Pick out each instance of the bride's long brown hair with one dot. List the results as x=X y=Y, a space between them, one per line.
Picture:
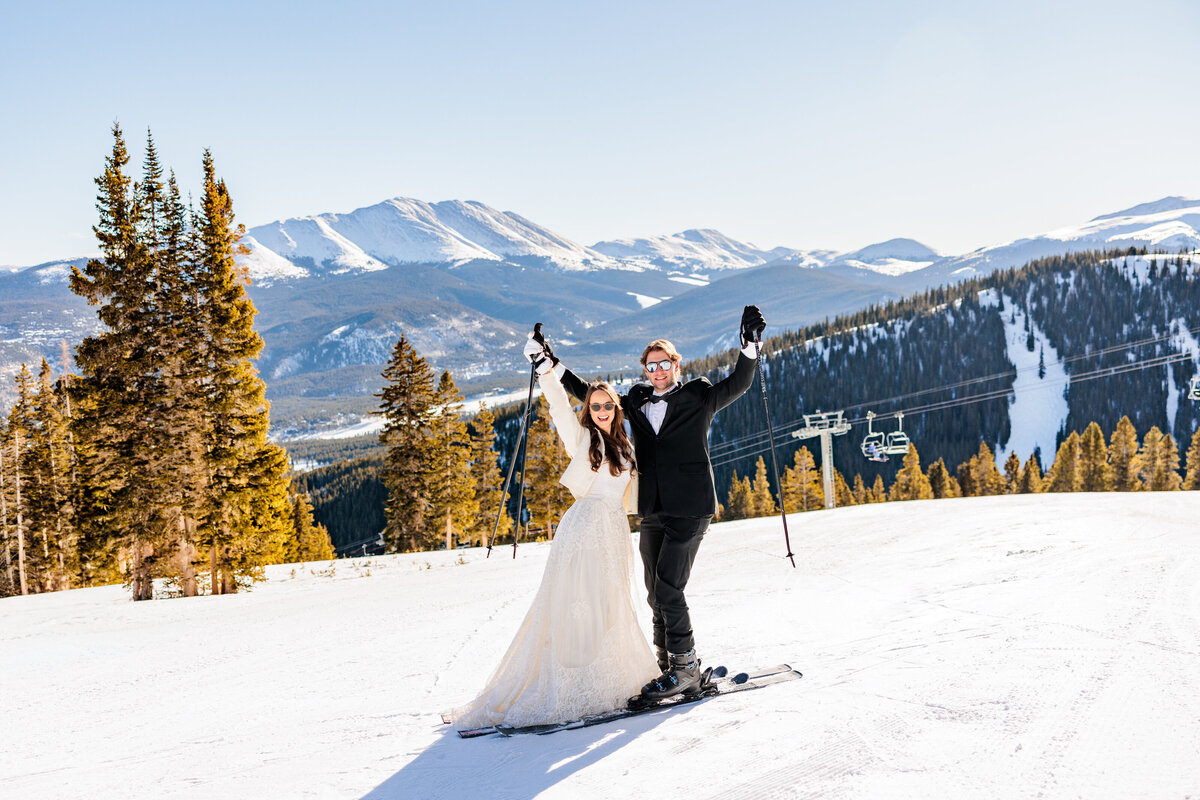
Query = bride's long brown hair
x=616 y=444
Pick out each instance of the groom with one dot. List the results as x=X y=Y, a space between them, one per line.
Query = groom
x=676 y=496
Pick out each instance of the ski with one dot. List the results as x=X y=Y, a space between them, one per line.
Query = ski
x=720 y=683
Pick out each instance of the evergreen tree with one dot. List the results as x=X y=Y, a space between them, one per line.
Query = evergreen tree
x=1065 y=474
x=911 y=483
x=546 y=461
x=739 y=504
x=965 y=477
x=1191 y=481
x=763 y=499
x=309 y=541
x=941 y=482
x=451 y=484
x=842 y=494
x=802 y=487
x=119 y=501
x=49 y=500
x=8 y=586
x=1158 y=462
x=877 y=494
x=1031 y=477
x=489 y=482
x=985 y=475
x=20 y=425
x=1093 y=460
x=406 y=405
x=249 y=512
x=860 y=490
x=1012 y=473
x=1122 y=457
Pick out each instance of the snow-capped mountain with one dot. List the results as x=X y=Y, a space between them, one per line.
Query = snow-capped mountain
x=702 y=250
x=893 y=257
x=407 y=231
x=1168 y=225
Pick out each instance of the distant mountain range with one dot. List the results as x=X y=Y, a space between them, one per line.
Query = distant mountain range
x=465 y=282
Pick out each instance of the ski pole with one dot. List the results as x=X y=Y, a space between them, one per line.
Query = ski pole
x=521 y=484
x=521 y=435
x=762 y=379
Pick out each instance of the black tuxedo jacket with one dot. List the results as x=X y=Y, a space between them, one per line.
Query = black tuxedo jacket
x=674 y=469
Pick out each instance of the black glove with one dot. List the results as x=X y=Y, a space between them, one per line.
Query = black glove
x=753 y=325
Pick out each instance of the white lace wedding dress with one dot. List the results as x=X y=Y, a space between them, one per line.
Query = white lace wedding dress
x=580 y=649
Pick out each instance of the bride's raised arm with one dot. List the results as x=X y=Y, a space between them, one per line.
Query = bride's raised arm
x=570 y=431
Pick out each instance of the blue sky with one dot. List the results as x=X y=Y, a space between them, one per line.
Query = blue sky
x=810 y=125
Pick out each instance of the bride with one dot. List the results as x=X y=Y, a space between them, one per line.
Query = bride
x=580 y=650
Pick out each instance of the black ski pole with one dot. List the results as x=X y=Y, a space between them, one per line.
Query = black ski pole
x=762 y=379
x=521 y=435
x=521 y=486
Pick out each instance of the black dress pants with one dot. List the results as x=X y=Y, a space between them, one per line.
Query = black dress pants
x=668 y=545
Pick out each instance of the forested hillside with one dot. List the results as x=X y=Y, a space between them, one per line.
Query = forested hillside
x=1105 y=335
x=1123 y=327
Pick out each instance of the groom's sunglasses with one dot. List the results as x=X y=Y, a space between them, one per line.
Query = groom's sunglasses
x=602 y=406
x=655 y=366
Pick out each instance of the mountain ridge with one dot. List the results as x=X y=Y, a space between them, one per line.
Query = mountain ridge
x=330 y=311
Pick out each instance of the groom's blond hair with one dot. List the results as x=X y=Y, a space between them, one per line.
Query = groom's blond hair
x=665 y=346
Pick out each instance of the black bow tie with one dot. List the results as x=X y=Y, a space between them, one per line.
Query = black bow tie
x=658 y=398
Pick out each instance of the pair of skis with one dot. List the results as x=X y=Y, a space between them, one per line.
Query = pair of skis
x=719 y=682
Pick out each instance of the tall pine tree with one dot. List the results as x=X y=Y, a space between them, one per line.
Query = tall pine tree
x=406 y=404
x=485 y=468
x=911 y=483
x=1096 y=474
x=545 y=462
x=1122 y=457
x=1191 y=480
x=451 y=485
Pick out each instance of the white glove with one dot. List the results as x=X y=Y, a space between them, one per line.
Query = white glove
x=534 y=351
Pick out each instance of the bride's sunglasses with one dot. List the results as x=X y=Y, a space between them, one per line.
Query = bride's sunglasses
x=655 y=366
x=602 y=406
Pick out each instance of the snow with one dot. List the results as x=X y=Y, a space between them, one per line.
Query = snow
x=688 y=280
x=265 y=266
x=372 y=425
x=315 y=238
x=893 y=257
x=645 y=300
x=695 y=249
x=1025 y=646
x=406 y=230
x=1182 y=341
x=1037 y=410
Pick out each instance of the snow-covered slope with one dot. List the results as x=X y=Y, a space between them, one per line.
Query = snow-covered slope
x=999 y=647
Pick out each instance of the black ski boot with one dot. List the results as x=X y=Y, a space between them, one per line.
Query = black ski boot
x=664 y=661
x=681 y=676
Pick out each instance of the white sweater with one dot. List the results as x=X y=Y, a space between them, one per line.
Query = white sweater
x=579 y=476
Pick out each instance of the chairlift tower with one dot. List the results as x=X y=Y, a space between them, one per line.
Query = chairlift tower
x=826 y=425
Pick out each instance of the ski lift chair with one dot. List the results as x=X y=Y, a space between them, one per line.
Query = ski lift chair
x=874 y=444
x=897 y=440
x=1194 y=392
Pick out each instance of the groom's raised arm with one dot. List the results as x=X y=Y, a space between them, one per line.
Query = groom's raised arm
x=575 y=386
x=736 y=383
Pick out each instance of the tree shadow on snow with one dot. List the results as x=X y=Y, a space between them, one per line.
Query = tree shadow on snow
x=516 y=768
